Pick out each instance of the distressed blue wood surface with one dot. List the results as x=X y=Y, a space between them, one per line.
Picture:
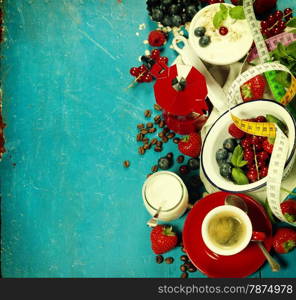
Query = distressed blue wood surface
x=69 y=208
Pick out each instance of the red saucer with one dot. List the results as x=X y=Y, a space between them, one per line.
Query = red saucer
x=217 y=266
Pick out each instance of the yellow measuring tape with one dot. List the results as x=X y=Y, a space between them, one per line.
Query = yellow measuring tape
x=266 y=129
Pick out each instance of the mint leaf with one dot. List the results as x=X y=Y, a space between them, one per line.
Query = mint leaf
x=239 y=176
x=283 y=78
x=279 y=123
x=220 y=16
x=237 y=156
x=242 y=163
x=237 y=13
x=291 y=23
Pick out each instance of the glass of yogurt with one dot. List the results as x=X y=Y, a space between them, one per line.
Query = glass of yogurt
x=167 y=191
x=223 y=49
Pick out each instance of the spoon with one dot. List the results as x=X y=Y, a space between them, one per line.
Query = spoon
x=153 y=221
x=240 y=203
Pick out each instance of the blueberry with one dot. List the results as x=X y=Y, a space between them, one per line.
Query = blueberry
x=167 y=2
x=225 y=170
x=174 y=9
x=199 y=31
x=164 y=163
x=228 y=159
x=204 y=41
x=229 y=144
x=191 y=10
x=157 y=15
x=166 y=21
x=176 y=20
x=193 y=163
x=221 y=154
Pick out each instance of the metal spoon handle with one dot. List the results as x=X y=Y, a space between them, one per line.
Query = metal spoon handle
x=275 y=267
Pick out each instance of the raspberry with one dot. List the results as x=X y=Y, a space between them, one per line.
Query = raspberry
x=235 y=131
x=157 y=38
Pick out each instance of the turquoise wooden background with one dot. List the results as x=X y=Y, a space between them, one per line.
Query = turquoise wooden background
x=69 y=208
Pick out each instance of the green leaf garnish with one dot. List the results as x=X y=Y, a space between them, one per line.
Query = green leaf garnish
x=237 y=157
x=279 y=123
x=237 y=13
x=291 y=23
x=220 y=16
x=239 y=176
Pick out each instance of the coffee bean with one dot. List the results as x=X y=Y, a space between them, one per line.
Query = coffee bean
x=161 y=134
x=147 y=113
x=141 y=150
x=157 y=107
x=152 y=130
x=170 y=155
x=159 y=259
x=139 y=137
x=154 y=141
x=146 y=146
x=145 y=140
x=183 y=250
x=183 y=268
x=176 y=140
x=171 y=135
x=141 y=126
x=144 y=131
x=165 y=139
x=161 y=124
x=149 y=125
x=192 y=269
x=154 y=168
x=169 y=260
x=159 y=143
x=180 y=159
x=157 y=118
x=166 y=130
x=157 y=149
x=126 y=163
x=184 y=258
x=184 y=275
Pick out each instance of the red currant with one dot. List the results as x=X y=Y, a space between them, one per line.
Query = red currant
x=261 y=163
x=263 y=172
x=264 y=24
x=142 y=69
x=223 y=30
x=148 y=77
x=252 y=175
x=252 y=167
x=281 y=25
x=266 y=32
x=255 y=140
x=249 y=156
x=260 y=119
x=155 y=53
x=288 y=11
x=275 y=30
x=278 y=14
x=263 y=156
x=163 y=59
x=246 y=142
x=270 y=20
x=134 y=71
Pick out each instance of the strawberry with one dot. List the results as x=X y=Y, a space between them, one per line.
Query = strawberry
x=289 y=210
x=190 y=145
x=284 y=240
x=235 y=131
x=253 y=89
x=163 y=239
x=157 y=38
x=262 y=6
x=267 y=146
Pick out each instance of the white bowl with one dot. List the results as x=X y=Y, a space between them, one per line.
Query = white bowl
x=219 y=132
x=223 y=50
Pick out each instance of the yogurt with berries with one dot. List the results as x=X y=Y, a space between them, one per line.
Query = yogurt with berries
x=219 y=46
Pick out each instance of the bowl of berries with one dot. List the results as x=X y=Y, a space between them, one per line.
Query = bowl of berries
x=235 y=161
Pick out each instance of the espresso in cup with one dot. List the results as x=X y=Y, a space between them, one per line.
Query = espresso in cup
x=226 y=230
